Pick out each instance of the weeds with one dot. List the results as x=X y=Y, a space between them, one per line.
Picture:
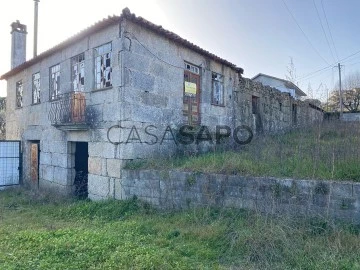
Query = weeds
x=38 y=231
x=52 y=234
x=328 y=151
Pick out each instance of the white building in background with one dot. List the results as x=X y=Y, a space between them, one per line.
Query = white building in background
x=280 y=84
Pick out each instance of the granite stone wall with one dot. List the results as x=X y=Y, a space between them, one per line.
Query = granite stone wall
x=276 y=111
x=177 y=190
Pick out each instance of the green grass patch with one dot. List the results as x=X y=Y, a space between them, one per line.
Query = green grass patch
x=329 y=151
x=37 y=232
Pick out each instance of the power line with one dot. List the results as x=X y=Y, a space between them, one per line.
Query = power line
x=311 y=75
x=342 y=60
x=353 y=59
x=327 y=23
x=324 y=68
x=308 y=76
x=352 y=64
x=317 y=52
x=313 y=72
x=314 y=75
x=322 y=27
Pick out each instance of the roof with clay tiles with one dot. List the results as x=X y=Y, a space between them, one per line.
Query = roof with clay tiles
x=111 y=20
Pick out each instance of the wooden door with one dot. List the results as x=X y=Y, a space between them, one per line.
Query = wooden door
x=34 y=163
x=191 y=98
x=78 y=107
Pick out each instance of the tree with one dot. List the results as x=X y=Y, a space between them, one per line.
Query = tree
x=310 y=91
x=291 y=72
x=350 y=94
x=351 y=99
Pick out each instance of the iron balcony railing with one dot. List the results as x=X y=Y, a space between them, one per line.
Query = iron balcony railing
x=68 y=109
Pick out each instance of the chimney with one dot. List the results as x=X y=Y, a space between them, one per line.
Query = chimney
x=36 y=9
x=18 y=44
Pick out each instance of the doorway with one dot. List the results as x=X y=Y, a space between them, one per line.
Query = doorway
x=191 y=97
x=81 y=170
x=10 y=163
x=294 y=114
x=34 y=163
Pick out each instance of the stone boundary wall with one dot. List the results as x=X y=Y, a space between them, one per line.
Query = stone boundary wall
x=351 y=117
x=276 y=111
x=177 y=190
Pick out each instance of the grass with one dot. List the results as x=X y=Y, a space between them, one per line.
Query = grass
x=40 y=232
x=329 y=151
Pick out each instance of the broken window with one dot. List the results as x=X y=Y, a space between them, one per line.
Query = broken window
x=55 y=82
x=19 y=94
x=192 y=68
x=103 y=66
x=78 y=72
x=36 y=88
x=217 y=89
x=255 y=104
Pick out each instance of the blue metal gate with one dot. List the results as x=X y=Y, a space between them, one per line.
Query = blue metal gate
x=10 y=163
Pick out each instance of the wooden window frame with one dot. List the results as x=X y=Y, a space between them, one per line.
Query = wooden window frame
x=36 y=87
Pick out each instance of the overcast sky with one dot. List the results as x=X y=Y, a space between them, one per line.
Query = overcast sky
x=257 y=35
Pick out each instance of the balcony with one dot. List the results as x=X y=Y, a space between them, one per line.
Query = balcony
x=68 y=112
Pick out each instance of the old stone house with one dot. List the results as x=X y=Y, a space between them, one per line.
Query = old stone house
x=114 y=92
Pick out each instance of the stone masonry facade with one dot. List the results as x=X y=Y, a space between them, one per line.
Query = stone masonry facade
x=147 y=66
x=277 y=111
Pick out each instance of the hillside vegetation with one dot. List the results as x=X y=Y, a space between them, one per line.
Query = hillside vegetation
x=328 y=151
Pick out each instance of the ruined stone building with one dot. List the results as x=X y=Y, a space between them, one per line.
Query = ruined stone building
x=125 y=79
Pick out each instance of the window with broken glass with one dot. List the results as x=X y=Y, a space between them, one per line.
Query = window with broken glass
x=217 y=89
x=36 y=88
x=192 y=68
x=55 y=82
x=19 y=94
x=78 y=73
x=103 y=66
